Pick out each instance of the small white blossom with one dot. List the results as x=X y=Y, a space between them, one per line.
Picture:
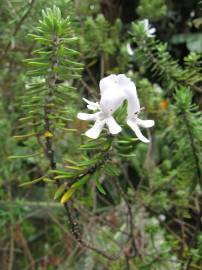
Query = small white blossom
x=129 y=49
x=114 y=90
x=147 y=28
x=162 y=217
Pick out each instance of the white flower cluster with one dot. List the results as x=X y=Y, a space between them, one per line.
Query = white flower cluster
x=114 y=90
x=149 y=31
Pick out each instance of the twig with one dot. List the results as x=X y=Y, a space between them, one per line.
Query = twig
x=130 y=214
x=91 y=76
x=23 y=243
x=77 y=234
x=194 y=151
x=127 y=263
x=31 y=204
x=100 y=219
x=193 y=240
x=11 y=251
x=87 y=87
x=102 y=66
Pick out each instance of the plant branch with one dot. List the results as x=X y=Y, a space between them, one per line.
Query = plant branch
x=194 y=151
x=130 y=215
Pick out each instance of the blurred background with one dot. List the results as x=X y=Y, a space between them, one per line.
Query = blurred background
x=151 y=213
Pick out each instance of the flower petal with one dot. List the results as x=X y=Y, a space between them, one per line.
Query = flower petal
x=107 y=83
x=152 y=30
x=145 y=123
x=129 y=49
x=114 y=128
x=92 y=105
x=95 y=131
x=145 y=22
x=135 y=128
x=132 y=98
x=123 y=80
x=111 y=101
x=87 y=116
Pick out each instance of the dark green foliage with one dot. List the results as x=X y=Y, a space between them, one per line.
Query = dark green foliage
x=53 y=65
x=100 y=36
x=128 y=205
x=158 y=61
x=188 y=139
x=154 y=9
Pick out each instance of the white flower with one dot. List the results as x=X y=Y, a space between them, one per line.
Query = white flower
x=133 y=109
x=147 y=28
x=114 y=90
x=134 y=123
x=109 y=103
x=101 y=119
x=129 y=49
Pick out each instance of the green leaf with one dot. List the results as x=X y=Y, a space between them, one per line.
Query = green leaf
x=24 y=136
x=74 y=168
x=127 y=156
x=25 y=156
x=111 y=169
x=91 y=145
x=99 y=186
x=60 y=191
x=67 y=196
x=81 y=182
x=32 y=182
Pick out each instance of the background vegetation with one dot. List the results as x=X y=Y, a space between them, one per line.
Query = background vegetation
x=127 y=205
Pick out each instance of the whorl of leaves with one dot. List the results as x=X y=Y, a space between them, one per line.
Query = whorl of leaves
x=53 y=68
x=154 y=9
x=188 y=138
x=99 y=35
x=155 y=57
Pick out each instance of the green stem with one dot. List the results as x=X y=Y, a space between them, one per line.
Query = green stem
x=51 y=82
x=194 y=150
